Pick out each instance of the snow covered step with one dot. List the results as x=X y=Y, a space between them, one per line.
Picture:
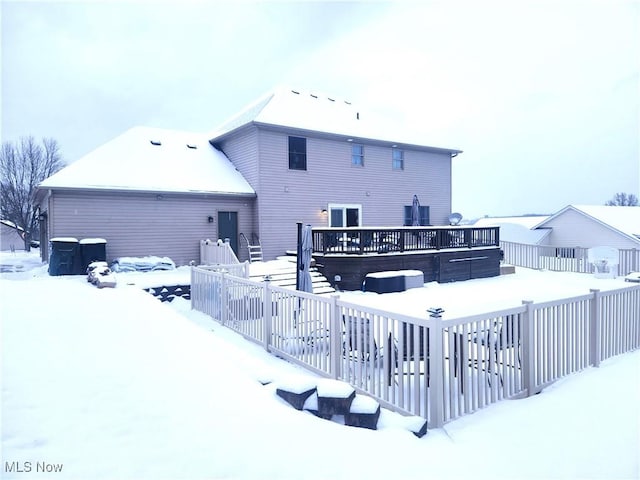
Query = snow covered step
x=334 y=397
x=295 y=390
x=364 y=412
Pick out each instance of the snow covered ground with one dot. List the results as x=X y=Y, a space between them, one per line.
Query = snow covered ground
x=113 y=384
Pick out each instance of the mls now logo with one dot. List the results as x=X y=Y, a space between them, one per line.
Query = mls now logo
x=27 y=467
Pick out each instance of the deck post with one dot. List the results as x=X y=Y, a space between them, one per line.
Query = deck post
x=298 y=255
x=594 y=329
x=436 y=380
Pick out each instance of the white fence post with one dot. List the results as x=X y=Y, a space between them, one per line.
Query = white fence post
x=246 y=269
x=335 y=336
x=266 y=313
x=436 y=380
x=595 y=328
x=224 y=307
x=194 y=304
x=528 y=351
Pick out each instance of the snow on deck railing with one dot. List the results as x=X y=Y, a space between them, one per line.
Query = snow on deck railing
x=440 y=369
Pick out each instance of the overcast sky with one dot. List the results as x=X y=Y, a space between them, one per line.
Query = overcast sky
x=542 y=97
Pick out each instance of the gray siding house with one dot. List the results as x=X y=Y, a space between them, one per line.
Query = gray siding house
x=592 y=226
x=290 y=157
x=10 y=236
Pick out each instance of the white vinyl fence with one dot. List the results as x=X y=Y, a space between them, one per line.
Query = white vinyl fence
x=212 y=252
x=437 y=368
x=563 y=259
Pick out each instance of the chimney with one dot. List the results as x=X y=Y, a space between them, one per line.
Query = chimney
x=357 y=115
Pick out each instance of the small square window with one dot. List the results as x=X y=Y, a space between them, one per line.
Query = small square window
x=297 y=153
x=357 y=155
x=397 y=159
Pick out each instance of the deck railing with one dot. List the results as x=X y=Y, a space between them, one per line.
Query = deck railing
x=366 y=240
x=563 y=259
x=437 y=368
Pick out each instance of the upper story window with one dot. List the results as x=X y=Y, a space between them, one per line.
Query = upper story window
x=397 y=159
x=297 y=153
x=357 y=155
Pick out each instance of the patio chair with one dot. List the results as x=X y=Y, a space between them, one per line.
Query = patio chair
x=359 y=344
x=408 y=352
x=498 y=340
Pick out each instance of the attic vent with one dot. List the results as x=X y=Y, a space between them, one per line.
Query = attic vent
x=156 y=142
x=314 y=96
x=357 y=115
x=348 y=103
x=192 y=146
x=293 y=91
x=331 y=99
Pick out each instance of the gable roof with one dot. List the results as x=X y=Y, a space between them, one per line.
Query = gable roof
x=623 y=220
x=316 y=112
x=155 y=160
x=10 y=224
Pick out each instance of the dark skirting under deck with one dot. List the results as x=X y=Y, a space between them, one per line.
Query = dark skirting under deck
x=437 y=265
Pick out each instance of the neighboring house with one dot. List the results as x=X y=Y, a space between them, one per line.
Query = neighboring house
x=593 y=226
x=290 y=157
x=11 y=237
x=563 y=241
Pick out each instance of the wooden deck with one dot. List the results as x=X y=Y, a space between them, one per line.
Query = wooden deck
x=443 y=254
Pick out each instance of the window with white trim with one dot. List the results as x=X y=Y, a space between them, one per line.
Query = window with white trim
x=357 y=155
x=397 y=159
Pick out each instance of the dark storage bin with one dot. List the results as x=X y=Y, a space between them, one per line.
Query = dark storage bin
x=64 y=258
x=92 y=250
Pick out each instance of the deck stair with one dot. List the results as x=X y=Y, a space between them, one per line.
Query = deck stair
x=282 y=273
x=254 y=248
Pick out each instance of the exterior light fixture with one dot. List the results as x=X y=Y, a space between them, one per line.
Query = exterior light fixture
x=210 y=219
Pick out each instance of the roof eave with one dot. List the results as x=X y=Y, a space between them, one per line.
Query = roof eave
x=340 y=136
x=149 y=191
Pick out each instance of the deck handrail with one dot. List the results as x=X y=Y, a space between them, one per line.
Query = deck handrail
x=368 y=240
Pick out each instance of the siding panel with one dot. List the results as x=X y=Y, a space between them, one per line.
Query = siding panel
x=139 y=224
x=289 y=196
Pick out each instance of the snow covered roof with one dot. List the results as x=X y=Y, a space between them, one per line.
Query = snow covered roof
x=152 y=159
x=316 y=112
x=528 y=221
x=625 y=220
x=517 y=229
x=10 y=224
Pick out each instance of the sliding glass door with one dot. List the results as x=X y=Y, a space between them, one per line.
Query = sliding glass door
x=345 y=215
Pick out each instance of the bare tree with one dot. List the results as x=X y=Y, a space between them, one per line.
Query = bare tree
x=22 y=167
x=623 y=200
